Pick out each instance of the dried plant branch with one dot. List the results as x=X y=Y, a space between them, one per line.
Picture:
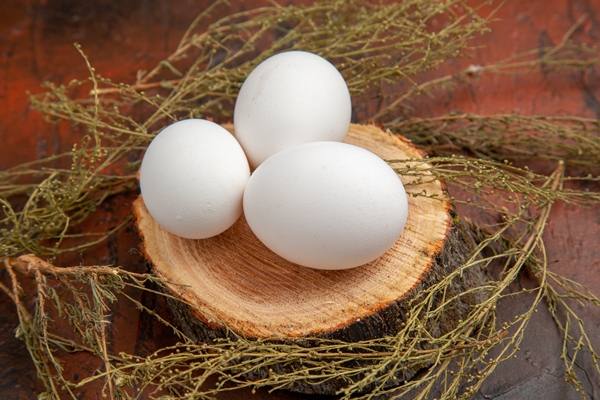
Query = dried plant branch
x=565 y=55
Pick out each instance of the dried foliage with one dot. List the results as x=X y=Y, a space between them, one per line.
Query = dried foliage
x=377 y=48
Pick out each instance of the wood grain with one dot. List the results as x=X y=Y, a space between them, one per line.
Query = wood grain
x=236 y=279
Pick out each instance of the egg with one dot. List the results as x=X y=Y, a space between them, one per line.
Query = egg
x=289 y=99
x=326 y=205
x=192 y=178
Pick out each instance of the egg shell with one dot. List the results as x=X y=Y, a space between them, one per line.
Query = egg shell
x=192 y=178
x=291 y=98
x=326 y=205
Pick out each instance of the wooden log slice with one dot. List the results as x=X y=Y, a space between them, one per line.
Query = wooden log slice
x=235 y=281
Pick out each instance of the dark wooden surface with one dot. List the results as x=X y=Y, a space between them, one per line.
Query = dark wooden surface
x=121 y=37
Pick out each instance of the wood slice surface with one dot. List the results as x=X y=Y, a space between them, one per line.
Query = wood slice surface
x=235 y=281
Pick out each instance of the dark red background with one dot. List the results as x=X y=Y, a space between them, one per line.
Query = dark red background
x=121 y=37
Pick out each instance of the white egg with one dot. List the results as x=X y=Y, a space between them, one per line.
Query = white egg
x=291 y=98
x=192 y=178
x=326 y=205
